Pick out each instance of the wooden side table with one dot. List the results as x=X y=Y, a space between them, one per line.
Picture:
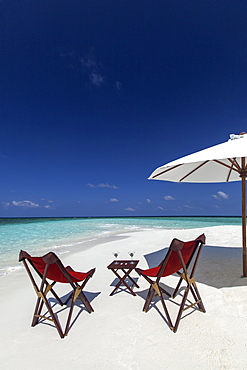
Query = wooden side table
x=126 y=266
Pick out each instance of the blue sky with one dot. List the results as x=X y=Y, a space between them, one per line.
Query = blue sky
x=96 y=94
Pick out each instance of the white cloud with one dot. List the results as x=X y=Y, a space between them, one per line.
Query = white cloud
x=88 y=65
x=168 y=197
x=220 y=195
x=161 y=208
x=118 y=85
x=6 y=204
x=93 y=69
x=88 y=61
x=47 y=200
x=149 y=201
x=129 y=209
x=70 y=54
x=25 y=203
x=114 y=200
x=103 y=186
x=215 y=206
x=97 y=79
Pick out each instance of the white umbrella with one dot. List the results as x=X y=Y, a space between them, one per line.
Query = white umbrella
x=220 y=163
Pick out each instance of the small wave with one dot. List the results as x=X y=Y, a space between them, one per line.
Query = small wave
x=10 y=269
x=130 y=227
x=70 y=244
x=108 y=225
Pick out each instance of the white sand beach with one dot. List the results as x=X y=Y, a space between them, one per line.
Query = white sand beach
x=119 y=335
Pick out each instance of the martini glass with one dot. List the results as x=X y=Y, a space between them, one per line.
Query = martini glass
x=131 y=255
x=115 y=254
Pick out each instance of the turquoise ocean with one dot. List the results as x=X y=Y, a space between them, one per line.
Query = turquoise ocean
x=61 y=235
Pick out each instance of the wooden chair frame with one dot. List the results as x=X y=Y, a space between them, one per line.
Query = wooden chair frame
x=175 y=257
x=76 y=280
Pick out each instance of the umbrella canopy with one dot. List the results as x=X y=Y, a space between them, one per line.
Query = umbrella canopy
x=220 y=163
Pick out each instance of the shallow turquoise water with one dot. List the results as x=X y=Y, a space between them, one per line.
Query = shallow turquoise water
x=41 y=235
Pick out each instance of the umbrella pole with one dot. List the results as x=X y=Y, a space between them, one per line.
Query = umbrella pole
x=243 y=176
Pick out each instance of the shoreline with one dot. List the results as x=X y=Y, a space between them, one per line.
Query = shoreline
x=74 y=244
x=61 y=251
x=40 y=235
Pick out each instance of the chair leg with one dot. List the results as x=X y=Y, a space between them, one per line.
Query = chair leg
x=69 y=317
x=166 y=312
x=37 y=311
x=69 y=297
x=86 y=303
x=37 y=314
x=84 y=300
x=57 y=298
x=197 y=297
x=198 y=302
x=181 y=309
x=55 y=320
x=177 y=287
x=148 y=299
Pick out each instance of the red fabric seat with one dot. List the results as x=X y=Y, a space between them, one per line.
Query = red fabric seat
x=174 y=263
x=54 y=273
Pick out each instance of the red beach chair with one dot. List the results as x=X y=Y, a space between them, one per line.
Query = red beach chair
x=181 y=258
x=50 y=267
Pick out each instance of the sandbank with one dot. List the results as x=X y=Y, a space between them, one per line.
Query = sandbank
x=118 y=335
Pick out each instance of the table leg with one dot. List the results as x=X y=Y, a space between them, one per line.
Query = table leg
x=122 y=280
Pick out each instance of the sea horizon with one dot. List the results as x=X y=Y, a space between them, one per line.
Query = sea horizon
x=124 y=216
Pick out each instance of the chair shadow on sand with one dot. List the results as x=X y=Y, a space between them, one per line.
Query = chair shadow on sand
x=122 y=287
x=218 y=266
x=156 y=299
x=78 y=303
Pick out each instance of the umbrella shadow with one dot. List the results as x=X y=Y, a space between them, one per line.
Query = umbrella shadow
x=218 y=266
